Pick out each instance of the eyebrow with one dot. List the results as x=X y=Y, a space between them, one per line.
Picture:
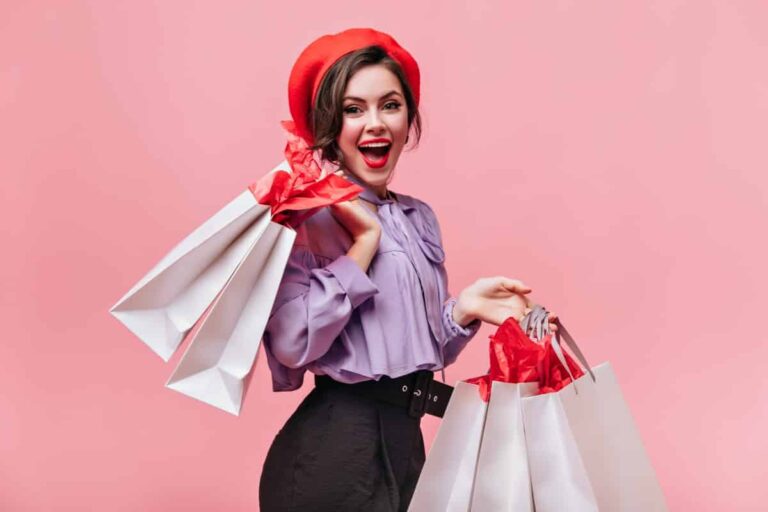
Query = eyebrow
x=390 y=93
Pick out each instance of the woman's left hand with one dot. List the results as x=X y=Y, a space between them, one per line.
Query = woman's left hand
x=493 y=300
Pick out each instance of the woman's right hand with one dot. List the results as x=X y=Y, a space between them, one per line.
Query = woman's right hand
x=356 y=220
x=362 y=227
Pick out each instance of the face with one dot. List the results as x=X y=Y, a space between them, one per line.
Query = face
x=374 y=125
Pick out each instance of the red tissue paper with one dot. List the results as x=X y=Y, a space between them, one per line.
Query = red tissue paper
x=295 y=196
x=515 y=358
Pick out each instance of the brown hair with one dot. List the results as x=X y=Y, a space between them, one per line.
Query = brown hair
x=327 y=113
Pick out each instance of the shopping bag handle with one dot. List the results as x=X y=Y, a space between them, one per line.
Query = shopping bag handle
x=537 y=322
x=571 y=343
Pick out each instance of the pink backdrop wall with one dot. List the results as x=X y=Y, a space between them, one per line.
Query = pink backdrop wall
x=610 y=154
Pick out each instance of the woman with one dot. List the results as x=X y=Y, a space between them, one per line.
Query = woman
x=364 y=303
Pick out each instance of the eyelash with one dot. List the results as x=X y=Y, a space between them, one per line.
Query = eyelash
x=347 y=110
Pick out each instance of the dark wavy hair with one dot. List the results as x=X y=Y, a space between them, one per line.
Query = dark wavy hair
x=327 y=114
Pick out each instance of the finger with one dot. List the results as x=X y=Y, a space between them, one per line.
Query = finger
x=515 y=285
x=345 y=204
x=552 y=319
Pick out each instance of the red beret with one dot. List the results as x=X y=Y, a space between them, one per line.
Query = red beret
x=321 y=54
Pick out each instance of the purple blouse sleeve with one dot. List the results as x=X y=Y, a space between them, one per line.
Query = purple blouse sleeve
x=313 y=305
x=458 y=336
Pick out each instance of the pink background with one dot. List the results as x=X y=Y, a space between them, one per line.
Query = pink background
x=610 y=154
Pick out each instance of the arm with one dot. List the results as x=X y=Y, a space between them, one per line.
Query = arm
x=314 y=303
x=313 y=306
x=458 y=334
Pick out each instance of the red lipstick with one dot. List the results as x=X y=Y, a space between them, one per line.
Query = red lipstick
x=372 y=159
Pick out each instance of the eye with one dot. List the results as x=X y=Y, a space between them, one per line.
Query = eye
x=395 y=103
x=352 y=109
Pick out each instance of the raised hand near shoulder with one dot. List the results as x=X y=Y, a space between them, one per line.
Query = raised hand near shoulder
x=356 y=219
x=362 y=226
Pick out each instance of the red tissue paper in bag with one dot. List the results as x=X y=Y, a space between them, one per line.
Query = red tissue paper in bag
x=294 y=197
x=515 y=358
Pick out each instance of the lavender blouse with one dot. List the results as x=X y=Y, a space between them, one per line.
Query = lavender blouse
x=333 y=319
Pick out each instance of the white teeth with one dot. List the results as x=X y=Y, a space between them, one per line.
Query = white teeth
x=375 y=145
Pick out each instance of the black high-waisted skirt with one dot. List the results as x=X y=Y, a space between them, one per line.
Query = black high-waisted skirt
x=340 y=452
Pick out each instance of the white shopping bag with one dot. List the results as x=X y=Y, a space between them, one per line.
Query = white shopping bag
x=558 y=477
x=164 y=305
x=221 y=355
x=225 y=276
x=502 y=479
x=585 y=452
x=446 y=480
x=223 y=279
x=574 y=450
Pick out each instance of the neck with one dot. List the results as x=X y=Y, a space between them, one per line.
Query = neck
x=381 y=191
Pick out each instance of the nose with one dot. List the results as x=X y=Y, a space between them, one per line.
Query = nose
x=375 y=123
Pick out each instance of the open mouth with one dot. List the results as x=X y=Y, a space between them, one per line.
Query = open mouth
x=377 y=154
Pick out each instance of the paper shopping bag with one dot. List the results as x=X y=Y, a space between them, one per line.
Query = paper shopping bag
x=502 y=479
x=577 y=445
x=478 y=459
x=558 y=477
x=223 y=278
x=220 y=357
x=446 y=480
x=519 y=367
x=584 y=450
x=164 y=305
x=587 y=425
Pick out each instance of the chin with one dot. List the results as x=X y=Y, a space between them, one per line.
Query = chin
x=374 y=177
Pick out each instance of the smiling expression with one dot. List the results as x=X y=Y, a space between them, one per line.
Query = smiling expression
x=374 y=125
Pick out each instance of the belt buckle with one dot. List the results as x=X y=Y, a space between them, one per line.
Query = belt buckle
x=417 y=406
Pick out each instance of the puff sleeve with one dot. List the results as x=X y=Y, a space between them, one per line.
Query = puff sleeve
x=315 y=301
x=458 y=336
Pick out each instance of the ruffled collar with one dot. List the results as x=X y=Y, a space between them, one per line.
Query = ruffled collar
x=429 y=236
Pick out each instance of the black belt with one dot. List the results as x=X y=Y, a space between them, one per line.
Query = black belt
x=418 y=391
